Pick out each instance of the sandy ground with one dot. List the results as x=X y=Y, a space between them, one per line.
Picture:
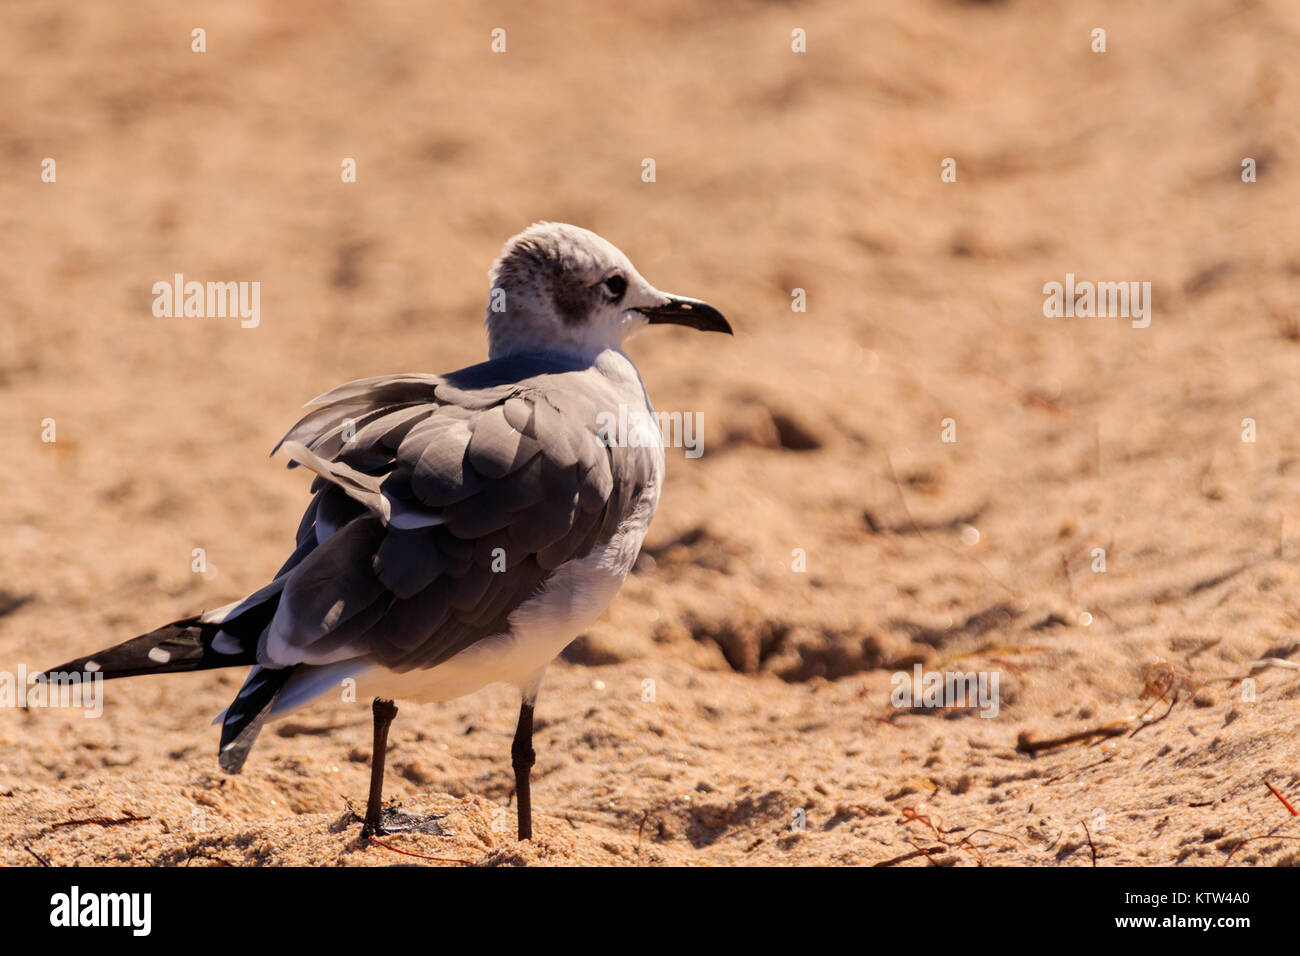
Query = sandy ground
x=771 y=737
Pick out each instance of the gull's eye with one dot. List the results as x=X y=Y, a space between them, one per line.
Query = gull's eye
x=615 y=285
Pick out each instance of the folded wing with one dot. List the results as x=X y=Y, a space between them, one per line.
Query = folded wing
x=441 y=504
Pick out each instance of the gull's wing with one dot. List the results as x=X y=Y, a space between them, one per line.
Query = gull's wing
x=441 y=504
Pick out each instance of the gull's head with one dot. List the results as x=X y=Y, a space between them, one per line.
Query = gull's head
x=558 y=288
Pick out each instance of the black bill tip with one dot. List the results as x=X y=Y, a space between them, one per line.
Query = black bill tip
x=692 y=313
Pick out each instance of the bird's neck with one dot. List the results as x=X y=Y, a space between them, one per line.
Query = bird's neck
x=523 y=338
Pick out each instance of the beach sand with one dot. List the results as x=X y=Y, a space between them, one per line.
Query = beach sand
x=736 y=704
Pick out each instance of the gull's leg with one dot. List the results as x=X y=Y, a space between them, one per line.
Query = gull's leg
x=522 y=757
x=384 y=711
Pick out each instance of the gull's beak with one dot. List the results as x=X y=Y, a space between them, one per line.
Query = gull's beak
x=679 y=310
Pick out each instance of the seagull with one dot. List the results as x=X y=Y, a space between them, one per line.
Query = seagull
x=463 y=528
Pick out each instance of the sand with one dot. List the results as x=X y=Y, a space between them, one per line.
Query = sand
x=734 y=705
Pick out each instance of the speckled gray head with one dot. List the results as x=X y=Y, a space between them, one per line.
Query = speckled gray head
x=559 y=288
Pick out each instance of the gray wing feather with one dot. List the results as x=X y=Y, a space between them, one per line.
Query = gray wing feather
x=495 y=448
x=549 y=429
x=355 y=484
x=377 y=442
x=325 y=590
x=316 y=424
x=434 y=456
x=334 y=509
x=383 y=390
x=406 y=562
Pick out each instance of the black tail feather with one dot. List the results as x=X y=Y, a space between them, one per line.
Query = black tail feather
x=247 y=713
x=184 y=645
x=195 y=644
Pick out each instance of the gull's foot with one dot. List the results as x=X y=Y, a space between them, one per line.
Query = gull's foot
x=395 y=820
